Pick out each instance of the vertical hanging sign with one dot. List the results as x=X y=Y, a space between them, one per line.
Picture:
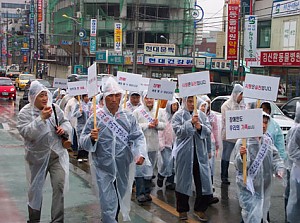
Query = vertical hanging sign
x=118 y=37
x=232 y=32
x=250 y=37
x=40 y=11
x=93 y=36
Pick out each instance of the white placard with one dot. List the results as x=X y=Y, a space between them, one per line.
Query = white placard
x=60 y=83
x=144 y=84
x=159 y=89
x=194 y=83
x=92 y=84
x=77 y=88
x=129 y=81
x=261 y=87
x=244 y=123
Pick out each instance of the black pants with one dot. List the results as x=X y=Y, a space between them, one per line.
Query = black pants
x=202 y=201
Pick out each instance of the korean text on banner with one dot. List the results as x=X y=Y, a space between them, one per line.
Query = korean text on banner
x=60 y=83
x=232 y=32
x=194 y=83
x=144 y=84
x=118 y=33
x=159 y=89
x=77 y=88
x=129 y=81
x=261 y=87
x=250 y=37
x=92 y=84
x=244 y=123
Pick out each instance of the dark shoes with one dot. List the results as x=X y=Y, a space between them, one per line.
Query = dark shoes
x=171 y=186
x=148 y=197
x=141 y=199
x=183 y=216
x=213 y=200
x=160 y=182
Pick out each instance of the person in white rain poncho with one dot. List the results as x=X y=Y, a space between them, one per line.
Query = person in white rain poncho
x=293 y=150
x=262 y=161
x=191 y=160
x=134 y=101
x=44 y=151
x=145 y=116
x=166 y=139
x=116 y=146
x=235 y=102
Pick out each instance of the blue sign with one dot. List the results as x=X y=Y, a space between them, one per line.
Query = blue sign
x=93 y=45
x=118 y=60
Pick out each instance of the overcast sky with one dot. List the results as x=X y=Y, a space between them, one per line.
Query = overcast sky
x=213 y=11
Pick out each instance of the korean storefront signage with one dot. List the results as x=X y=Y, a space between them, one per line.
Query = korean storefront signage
x=280 y=58
x=40 y=11
x=250 y=37
x=286 y=8
x=168 y=61
x=118 y=60
x=101 y=56
x=159 y=49
x=93 y=27
x=128 y=59
x=118 y=37
x=232 y=32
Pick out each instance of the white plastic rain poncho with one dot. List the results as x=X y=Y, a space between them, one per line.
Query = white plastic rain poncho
x=231 y=104
x=187 y=140
x=129 y=106
x=277 y=136
x=144 y=116
x=166 y=140
x=293 y=150
x=40 y=139
x=120 y=142
x=255 y=198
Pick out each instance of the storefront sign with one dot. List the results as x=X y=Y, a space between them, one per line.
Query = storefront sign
x=194 y=83
x=161 y=89
x=168 y=61
x=261 y=87
x=128 y=59
x=232 y=32
x=93 y=45
x=244 y=123
x=93 y=27
x=250 y=37
x=159 y=49
x=101 y=56
x=200 y=62
x=280 y=58
x=118 y=37
x=118 y=60
x=220 y=64
x=286 y=8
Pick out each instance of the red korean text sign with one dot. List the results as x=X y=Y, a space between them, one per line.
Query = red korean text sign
x=232 y=32
x=280 y=58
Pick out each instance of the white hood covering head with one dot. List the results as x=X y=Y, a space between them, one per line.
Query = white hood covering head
x=35 y=89
x=237 y=90
x=111 y=87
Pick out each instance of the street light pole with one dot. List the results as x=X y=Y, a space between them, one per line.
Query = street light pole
x=194 y=49
x=136 y=36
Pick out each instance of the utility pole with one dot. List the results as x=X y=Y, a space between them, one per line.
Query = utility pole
x=194 y=48
x=136 y=36
x=81 y=25
x=36 y=40
x=241 y=42
x=74 y=40
x=6 y=38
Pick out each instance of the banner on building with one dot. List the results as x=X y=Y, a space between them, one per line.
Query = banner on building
x=232 y=32
x=280 y=58
x=250 y=37
x=93 y=27
x=168 y=61
x=159 y=49
x=118 y=33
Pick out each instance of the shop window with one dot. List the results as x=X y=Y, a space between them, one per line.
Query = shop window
x=264 y=34
x=289 y=35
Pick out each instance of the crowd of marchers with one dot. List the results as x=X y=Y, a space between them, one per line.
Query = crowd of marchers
x=129 y=143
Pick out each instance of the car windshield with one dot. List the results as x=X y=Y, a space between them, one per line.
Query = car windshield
x=26 y=77
x=45 y=83
x=5 y=82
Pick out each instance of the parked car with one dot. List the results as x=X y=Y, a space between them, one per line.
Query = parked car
x=289 y=108
x=284 y=122
x=219 y=89
x=7 y=88
x=24 y=100
x=22 y=80
x=13 y=75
